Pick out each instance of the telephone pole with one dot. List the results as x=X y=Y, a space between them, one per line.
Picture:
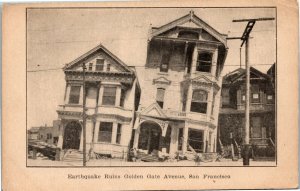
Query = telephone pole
x=84 y=115
x=245 y=39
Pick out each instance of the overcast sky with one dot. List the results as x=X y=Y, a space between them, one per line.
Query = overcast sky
x=58 y=36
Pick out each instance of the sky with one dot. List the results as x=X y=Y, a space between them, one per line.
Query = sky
x=58 y=36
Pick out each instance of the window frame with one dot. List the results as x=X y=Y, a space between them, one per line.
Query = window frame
x=203 y=64
x=119 y=133
x=107 y=98
x=158 y=101
x=71 y=98
x=98 y=64
x=90 y=68
x=199 y=103
x=103 y=132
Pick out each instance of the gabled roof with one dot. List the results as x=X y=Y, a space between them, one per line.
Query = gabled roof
x=91 y=52
x=240 y=73
x=191 y=17
x=154 y=110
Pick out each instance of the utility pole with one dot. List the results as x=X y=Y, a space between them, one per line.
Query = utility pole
x=84 y=115
x=245 y=39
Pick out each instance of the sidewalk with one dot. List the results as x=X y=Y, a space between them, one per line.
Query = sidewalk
x=44 y=162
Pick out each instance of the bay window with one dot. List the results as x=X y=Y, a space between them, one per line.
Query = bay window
x=109 y=95
x=74 y=95
x=204 y=62
x=105 y=132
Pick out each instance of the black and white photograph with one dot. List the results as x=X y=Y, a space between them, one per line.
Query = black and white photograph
x=151 y=87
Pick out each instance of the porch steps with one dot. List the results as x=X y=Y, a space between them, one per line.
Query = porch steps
x=73 y=156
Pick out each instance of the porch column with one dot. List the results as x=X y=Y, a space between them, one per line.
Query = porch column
x=185 y=138
x=89 y=134
x=136 y=138
x=205 y=133
x=114 y=133
x=96 y=131
x=173 y=141
x=81 y=141
x=209 y=103
x=189 y=99
x=194 y=60
x=215 y=142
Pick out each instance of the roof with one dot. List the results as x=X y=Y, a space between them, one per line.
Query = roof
x=191 y=17
x=240 y=73
x=94 y=50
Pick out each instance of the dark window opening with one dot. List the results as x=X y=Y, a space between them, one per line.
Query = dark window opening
x=74 y=94
x=188 y=34
x=109 y=96
x=105 y=132
x=204 y=62
x=255 y=97
x=108 y=67
x=199 y=101
x=195 y=140
x=99 y=64
x=119 y=130
x=164 y=65
x=160 y=94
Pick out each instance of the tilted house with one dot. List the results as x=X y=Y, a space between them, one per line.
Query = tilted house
x=262 y=110
x=179 y=107
x=112 y=93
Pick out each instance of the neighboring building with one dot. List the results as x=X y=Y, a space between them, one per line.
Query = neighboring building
x=181 y=88
x=272 y=73
x=262 y=108
x=50 y=134
x=112 y=95
x=33 y=133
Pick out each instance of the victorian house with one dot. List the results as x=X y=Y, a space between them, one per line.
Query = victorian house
x=262 y=111
x=179 y=104
x=112 y=96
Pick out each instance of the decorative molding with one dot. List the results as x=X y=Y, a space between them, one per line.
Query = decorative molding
x=162 y=81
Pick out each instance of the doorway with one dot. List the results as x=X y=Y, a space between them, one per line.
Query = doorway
x=72 y=135
x=150 y=137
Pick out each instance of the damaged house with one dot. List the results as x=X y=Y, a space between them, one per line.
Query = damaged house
x=180 y=95
x=112 y=93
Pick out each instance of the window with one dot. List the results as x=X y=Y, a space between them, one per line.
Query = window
x=225 y=97
x=49 y=136
x=105 y=132
x=108 y=67
x=270 y=99
x=74 y=94
x=243 y=98
x=122 y=101
x=90 y=66
x=204 y=62
x=195 y=140
x=255 y=94
x=199 y=101
x=119 y=130
x=164 y=66
x=109 y=96
x=99 y=64
x=188 y=34
x=160 y=94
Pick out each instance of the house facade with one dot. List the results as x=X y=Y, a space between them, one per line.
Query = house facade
x=111 y=95
x=179 y=103
x=262 y=110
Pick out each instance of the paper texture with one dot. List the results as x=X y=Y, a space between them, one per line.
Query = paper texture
x=165 y=95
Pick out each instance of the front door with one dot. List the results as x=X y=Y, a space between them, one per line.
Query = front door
x=72 y=135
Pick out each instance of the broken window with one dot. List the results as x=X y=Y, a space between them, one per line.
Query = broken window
x=160 y=94
x=109 y=96
x=119 y=129
x=195 y=140
x=204 y=62
x=164 y=65
x=74 y=95
x=199 y=101
x=105 y=132
x=99 y=64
